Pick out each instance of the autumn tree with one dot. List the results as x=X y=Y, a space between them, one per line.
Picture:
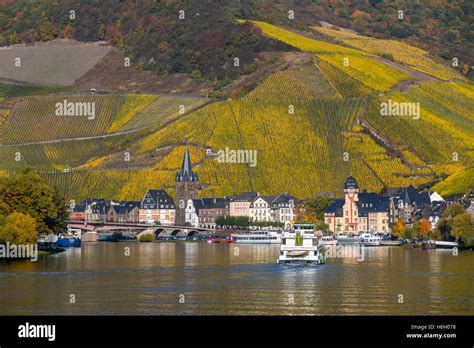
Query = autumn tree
x=424 y=227
x=398 y=228
x=463 y=227
x=29 y=194
x=18 y=228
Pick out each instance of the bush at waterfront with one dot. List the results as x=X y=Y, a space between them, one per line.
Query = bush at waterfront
x=147 y=237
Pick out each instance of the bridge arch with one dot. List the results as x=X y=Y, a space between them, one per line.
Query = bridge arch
x=193 y=233
x=177 y=233
x=161 y=232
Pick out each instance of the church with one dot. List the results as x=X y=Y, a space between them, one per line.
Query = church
x=358 y=212
x=187 y=186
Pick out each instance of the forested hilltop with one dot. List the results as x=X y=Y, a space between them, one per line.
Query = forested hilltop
x=204 y=39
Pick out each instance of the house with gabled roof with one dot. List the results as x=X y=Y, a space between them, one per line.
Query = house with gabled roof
x=239 y=205
x=157 y=207
x=203 y=212
x=283 y=209
x=405 y=202
x=261 y=208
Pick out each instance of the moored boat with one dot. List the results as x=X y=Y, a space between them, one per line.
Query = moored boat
x=220 y=240
x=370 y=239
x=328 y=240
x=257 y=237
x=439 y=244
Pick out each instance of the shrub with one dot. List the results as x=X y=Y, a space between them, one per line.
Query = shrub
x=147 y=237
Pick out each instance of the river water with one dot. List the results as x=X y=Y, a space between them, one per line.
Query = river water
x=221 y=279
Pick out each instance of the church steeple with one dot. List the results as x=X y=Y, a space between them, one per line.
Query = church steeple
x=187 y=186
x=186 y=172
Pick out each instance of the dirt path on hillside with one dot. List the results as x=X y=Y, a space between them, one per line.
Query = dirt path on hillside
x=417 y=76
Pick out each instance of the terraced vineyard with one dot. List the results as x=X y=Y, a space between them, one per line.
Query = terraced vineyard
x=373 y=74
x=400 y=51
x=161 y=109
x=302 y=42
x=343 y=83
x=34 y=118
x=12 y=90
x=297 y=83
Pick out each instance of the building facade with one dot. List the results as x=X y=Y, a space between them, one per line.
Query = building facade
x=157 y=207
x=203 y=212
x=240 y=205
x=358 y=212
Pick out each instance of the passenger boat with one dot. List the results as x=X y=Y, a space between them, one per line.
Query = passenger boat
x=344 y=239
x=328 y=240
x=301 y=245
x=444 y=244
x=257 y=237
x=369 y=239
x=439 y=244
x=366 y=239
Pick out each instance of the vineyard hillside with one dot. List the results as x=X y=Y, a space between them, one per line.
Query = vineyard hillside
x=308 y=126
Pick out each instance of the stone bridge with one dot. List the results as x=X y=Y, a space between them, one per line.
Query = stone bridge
x=159 y=231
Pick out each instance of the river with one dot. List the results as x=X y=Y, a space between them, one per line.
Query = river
x=178 y=278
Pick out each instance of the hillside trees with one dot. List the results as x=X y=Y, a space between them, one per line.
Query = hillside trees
x=457 y=223
x=26 y=195
x=18 y=228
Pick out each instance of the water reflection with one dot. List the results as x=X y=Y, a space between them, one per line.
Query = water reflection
x=231 y=279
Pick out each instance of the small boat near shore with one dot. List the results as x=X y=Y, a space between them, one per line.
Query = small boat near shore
x=439 y=244
x=71 y=240
x=392 y=242
x=220 y=240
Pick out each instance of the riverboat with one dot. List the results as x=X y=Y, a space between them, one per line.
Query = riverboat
x=328 y=240
x=257 y=237
x=71 y=240
x=369 y=239
x=366 y=239
x=439 y=244
x=301 y=245
x=219 y=240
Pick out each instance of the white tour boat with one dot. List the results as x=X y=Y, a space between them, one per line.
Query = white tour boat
x=301 y=245
x=328 y=240
x=367 y=239
x=370 y=239
x=257 y=237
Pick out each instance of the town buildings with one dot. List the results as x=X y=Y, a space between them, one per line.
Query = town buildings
x=410 y=205
x=358 y=212
x=203 y=212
